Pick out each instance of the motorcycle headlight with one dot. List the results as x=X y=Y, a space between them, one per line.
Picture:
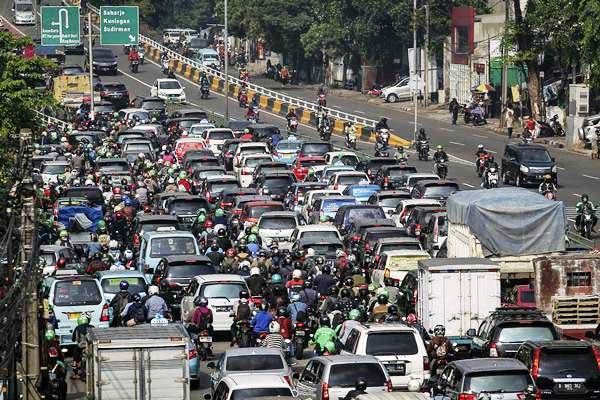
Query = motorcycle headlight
x=524 y=169
x=555 y=169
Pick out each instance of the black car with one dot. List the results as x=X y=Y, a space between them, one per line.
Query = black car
x=527 y=164
x=434 y=190
x=188 y=113
x=275 y=184
x=71 y=70
x=154 y=105
x=228 y=150
x=315 y=149
x=347 y=214
x=263 y=132
x=114 y=92
x=186 y=208
x=104 y=61
x=505 y=329
x=562 y=369
x=372 y=166
x=389 y=177
x=104 y=108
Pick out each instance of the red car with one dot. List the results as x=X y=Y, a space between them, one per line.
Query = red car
x=303 y=163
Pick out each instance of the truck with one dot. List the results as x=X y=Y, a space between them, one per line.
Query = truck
x=458 y=293
x=146 y=361
x=511 y=226
x=72 y=90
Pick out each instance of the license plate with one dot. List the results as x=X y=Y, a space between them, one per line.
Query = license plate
x=205 y=339
x=73 y=315
x=397 y=369
x=300 y=333
x=570 y=387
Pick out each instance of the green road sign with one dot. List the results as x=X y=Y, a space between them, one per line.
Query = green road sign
x=119 y=25
x=60 y=26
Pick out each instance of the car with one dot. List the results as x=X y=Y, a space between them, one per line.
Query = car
x=116 y=93
x=92 y=194
x=315 y=231
x=435 y=233
x=263 y=132
x=325 y=173
x=52 y=169
x=151 y=223
x=169 y=90
x=103 y=61
x=388 y=199
x=278 y=226
x=505 y=329
x=252 y=210
x=295 y=196
x=186 y=208
x=494 y=378
x=361 y=192
x=400 y=349
x=138 y=114
x=197 y=130
x=155 y=106
x=332 y=377
x=371 y=166
x=371 y=235
x=266 y=168
x=70 y=296
x=562 y=368
x=394 y=243
x=286 y=151
x=185 y=113
x=52 y=255
x=304 y=163
x=162 y=243
x=347 y=158
x=247 y=165
x=138 y=145
x=409 y=181
x=221 y=290
x=396 y=264
x=23 y=12
x=185 y=145
x=437 y=190
x=202 y=164
x=403 y=209
x=275 y=184
x=390 y=176
x=71 y=70
x=104 y=109
x=401 y=90
x=250 y=360
x=359 y=226
x=214 y=138
x=110 y=281
x=213 y=186
x=228 y=196
x=108 y=166
x=246 y=148
x=328 y=206
x=326 y=247
x=311 y=196
x=315 y=149
x=184 y=124
x=346 y=215
x=228 y=151
x=527 y=164
x=252 y=386
x=418 y=218
x=340 y=180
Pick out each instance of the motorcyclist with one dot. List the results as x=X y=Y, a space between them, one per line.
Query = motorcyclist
x=242 y=311
x=400 y=154
x=393 y=314
x=202 y=317
x=380 y=307
x=155 y=304
x=322 y=118
x=79 y=337
x=422 y=136
x=350 y=131
x=308 y=295
x=295 y=284
x=481 y=152
x=332 y=298
x=392 y=290
x=204 y=82
x=250 y=113
x=547 y=185
x=439 y=346
x=440 y=155
x=581 y=206
x=285 y=323
x=118 y=303
x=134 y=55
x=324 y=281
x=262 y=319
x=296 y=306
x=276 y=292
x=63 y=239
x=274 y=339
x=256 y=283
x=360 y=388
x=323 y=335
x=291 y=114
x=382 y=124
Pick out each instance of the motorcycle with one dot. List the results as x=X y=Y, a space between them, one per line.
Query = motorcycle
x=301 y=337
x=133 y=66
x=242 y=100
x=492 y=178
x=293 y=124
x=322 y=100
x=556 y=126
x=325 y=132
x=480 y=164
x=423 y=150
x=586 y=222
x=203 y=342
x=204 y=92
x=351 y=141
x=165 y=67
x=244 y=334
x=441 y=168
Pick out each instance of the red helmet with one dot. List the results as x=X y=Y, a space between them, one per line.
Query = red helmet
x=230 y=252
x=119 y=215
x=117 y=190
x=411 y=318
x=209 y=224
x=61 y=263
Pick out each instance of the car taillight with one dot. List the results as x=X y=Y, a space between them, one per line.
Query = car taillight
x=207 y=141
x=288 y=379
x=389 y=385
x=597 y=355
x=386 y=273
x=299 y=324
x=192 y=353
x=521 y=396
x=386 y=180
x=425 y=363
x=356 y=238
x=377 y=257
x=369 y=171
x=245 y=171
x=325 y=391
x=467 y=396
x=535 y=365
x=493 y=350
x=103 y=94
x=418 y=230
x=226 y=204
x=174 y=285
x=136 y=240
x=104 y=315
x=209 y=198
x=229 y=154
x=125 y=94
x=335 y=187
x=295 y=199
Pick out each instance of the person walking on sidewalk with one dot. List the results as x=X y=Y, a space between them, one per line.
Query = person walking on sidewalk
x=509 y=119
x=454 y=107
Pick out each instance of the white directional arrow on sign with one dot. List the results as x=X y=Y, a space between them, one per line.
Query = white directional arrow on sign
x=131 y=38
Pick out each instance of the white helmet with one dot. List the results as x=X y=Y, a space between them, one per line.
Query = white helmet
x=274 y=327
x=89 y=182
x=141 y=155
x=171 y=181
x=152 y=290
x=310 y=252
x=255 y=271
x=113 y=244
x=128 y=254
x=297 y=274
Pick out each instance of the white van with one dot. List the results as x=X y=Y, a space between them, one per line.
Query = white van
x=208 y=58
x=23 y=12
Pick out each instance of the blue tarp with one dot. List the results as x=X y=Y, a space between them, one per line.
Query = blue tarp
x=65 y=214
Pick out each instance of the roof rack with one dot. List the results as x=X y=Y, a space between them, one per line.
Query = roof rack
x=518 y=312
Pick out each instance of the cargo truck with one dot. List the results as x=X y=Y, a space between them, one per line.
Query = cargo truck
x=458 y=293
x=142 y=362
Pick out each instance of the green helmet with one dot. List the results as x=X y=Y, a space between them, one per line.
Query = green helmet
x=252 y=238
x=255 y=229
x=50 y=334
x=201 y=211
x=171 y=171
x=383 y=291
x=219 y=212
x=324 y=218
x=373 y=287
x=330 y=347
x=152 y=172
x=201 y=218
x=81 y=320
x=311 y=172
x=276 y=278
x=101 y=225
x=182 y=175
x=354 y=314
x=63 y=234
x=115 y=115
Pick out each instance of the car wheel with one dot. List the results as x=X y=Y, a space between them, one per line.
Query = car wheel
x=518 y=181
x=392 y=98
x=504 y=178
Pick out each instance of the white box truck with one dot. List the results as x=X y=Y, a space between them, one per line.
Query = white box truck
x=141 y=362
x=458 y=293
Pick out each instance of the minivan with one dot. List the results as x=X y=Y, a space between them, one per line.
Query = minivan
x=23 y=12
x=208 y=58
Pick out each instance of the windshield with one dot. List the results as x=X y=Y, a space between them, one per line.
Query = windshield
x=152 y=227
x=344 y=375
x=413 y=180
x=254 y=161
x=114 y=87
x=257 y=211
x=289 y=146
x=141 y=115
x=48 y=258
x=528 y=296
x=404 y=262
x=357 y=214
x=220 y=135
x=190 y=270
x=316 y=148
x=348 y=160
x=113 y=166
x=537 y=155
x=326 y=249
x=103 y=108
x=77 y=292
x=111 y=285
x=170 y=85
x=440 y=191
x=187 y=206
x=254 y=363
x=491 y=382
x=390 y=343
x=218 y=187
x=319 y=235
x=253 y=150
x=139 y=147
x=577 y=361
x=351 y=179
x=277 y=223
x=267 y=393
x=23 y=7
x=153 y=105
x=102 y=53
x=228 y=290
x=391 y=201
x=330 y=206
x=278 y=183
x=399 y=246
x=311 y=163
x=172 y=246
x=54 y=169
x=210 y=56
x=400 y=172
x=518 y=334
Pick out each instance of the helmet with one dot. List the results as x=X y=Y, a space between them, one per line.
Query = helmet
x=242 y=243
x=480 y=147
x=354 y=314
x=332 y=291
x=124 y=285
x=411 y=318
x=136 y=297
x=585 y=197
x=439 y=330
x=128 y=254
x=201 y=301
x=182 y=175
x=282 y=312
x=201 y=218
x=221 y=232
x=274 y=327
x=320 y=260
x=252 y=238
x=244 y=300
x=324 y=218
x=264 y=306
x=307 y=284
x=152 y=289
x=50 y=334
x=310 y=252
x=439 y=147
x=295 y=297
x=297 y=274
x=324 y=321
x=547 y=177
x=422 y=130
x=255 y=229
x=113 y=244
x=101 y=225
x=63 y=234
x=345 y=292
x=219 y=212
x=244 y=294
x=230 y=253
x=83 y=319
x=330 y=347
x=326 y=269
x=276 y=278
x=361 y=384
x=349 y=282
x=255 y=271
x=209 y=224
x=393 y=309
x=382 y=299
x=340 y=254
x=141 y=155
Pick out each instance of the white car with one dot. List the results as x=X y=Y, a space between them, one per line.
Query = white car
x=248 y=164
x=127 y=114
x=318 y=231
x=400 y=349
x=252 y=385
x=214 y=138
x=52 y=169
x=348 y=158
x=278 y=225
x=411 y=180
x=341 y=180
x=311 y=196
x=221 y=290
x=403 y=209
x=401 y=90
x=197 y=130
x=169 y=90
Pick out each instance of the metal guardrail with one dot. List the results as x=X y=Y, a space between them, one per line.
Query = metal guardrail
x=258 y=89
x=52 y=120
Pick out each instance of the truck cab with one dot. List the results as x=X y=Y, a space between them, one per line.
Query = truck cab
x=23 y=12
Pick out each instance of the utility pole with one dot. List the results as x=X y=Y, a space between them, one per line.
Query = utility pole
x=416 y=77
x=226 y=53
x=504 y=64
x=426 y=61
x=90 y=62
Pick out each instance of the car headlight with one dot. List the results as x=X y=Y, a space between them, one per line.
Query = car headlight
x=524 y=169
x=555 y=169
x=182 y=95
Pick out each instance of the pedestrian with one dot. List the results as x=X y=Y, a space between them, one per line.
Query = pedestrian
x=509 y=119
x=453 y=107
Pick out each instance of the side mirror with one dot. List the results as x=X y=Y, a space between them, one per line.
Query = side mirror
x=150 y=271
x=211 y=365
x=471 y=332
x=296 y=375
